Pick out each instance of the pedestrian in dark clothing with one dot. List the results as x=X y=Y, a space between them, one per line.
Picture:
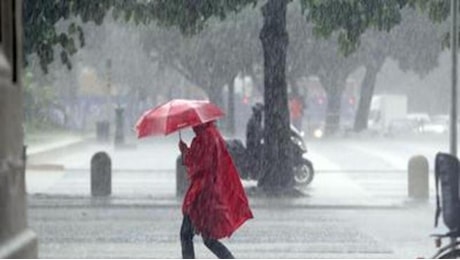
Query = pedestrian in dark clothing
x=215 y=204
x=254 y=137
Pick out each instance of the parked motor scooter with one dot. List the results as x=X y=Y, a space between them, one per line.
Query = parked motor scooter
x=302 y=167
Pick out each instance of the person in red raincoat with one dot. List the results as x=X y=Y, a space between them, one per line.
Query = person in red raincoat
x=215 y=204
x=296 y=111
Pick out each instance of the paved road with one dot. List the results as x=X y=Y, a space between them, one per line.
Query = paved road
x=95 y=229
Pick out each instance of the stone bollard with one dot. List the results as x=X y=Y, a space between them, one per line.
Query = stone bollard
x=417 y=180
x=101 y=174
x=181 y=178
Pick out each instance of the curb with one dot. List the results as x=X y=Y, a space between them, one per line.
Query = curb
x=68 y=201
x=45 y=167
x=53 y=150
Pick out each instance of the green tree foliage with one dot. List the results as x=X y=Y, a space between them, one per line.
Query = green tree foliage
x=40 y=17
x=351 y=18
x=40 y=35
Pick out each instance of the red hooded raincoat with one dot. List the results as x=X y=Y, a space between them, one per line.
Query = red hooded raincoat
x=215 y=200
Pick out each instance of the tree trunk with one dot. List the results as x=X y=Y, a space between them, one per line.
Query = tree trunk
x=278 y=175
x=231 y=107
x=215 y=94
x=334 y=100
x=367 y=91
x=214 y=91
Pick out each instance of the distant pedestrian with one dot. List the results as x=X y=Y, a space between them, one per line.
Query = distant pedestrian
x=215 y=204
x=254 y=137
x=296 y=111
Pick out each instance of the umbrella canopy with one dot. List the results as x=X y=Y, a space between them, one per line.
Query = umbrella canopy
x=175 y=115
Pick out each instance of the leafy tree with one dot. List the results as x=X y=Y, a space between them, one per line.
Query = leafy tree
x=374 y=48
x=415 y=44
x=40 y=17
x=40 y=35
x=37 y=102
x=211 y=58
x=349 y=18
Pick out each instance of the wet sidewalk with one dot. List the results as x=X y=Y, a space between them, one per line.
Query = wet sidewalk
x=144 y=173
x=336 y=218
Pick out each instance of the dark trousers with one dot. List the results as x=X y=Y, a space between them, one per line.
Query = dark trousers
x=186 y=238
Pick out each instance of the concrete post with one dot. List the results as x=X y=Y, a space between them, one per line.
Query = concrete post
x=181 y=178
x=102 y=131
x=101 y=175
x=417 y=180
x=16 y=239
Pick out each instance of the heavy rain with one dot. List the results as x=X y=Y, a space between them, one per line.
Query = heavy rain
x=335 y=117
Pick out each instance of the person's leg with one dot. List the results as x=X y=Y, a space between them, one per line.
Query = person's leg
x=186 y=238
x=218 y=248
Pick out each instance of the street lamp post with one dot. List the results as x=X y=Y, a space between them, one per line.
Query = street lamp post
x=453 y=111
x=109 y=89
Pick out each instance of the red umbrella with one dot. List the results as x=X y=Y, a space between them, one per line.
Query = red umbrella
x=175 y=115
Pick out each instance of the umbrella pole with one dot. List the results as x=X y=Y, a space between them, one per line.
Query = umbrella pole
x=181 y=155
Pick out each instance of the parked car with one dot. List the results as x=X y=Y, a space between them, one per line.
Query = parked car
x=419 y=117
x=439 y=124
x=402 y=126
